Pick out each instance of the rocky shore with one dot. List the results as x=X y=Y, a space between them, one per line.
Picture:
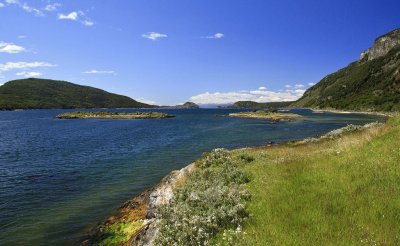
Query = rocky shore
x=139 y=211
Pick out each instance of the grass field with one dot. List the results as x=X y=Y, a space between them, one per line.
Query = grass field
x=335 y=192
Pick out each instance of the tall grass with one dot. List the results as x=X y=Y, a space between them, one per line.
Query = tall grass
x=335 y=192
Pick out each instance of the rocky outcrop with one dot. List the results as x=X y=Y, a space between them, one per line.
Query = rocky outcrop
x=161 y=195
x=382 y=46
x=143 y=207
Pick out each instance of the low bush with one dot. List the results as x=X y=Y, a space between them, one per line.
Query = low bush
x=212 y=200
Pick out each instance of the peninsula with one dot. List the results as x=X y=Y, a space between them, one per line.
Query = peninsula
x=113 y=115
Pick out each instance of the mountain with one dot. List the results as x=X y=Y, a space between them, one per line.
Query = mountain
x=370 y=84
x=44 y=93
x=186 y=105
x=252 y=104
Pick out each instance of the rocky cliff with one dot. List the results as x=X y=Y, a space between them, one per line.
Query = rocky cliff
x=382 y=45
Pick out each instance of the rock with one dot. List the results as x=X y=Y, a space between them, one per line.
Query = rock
x=142 y=207
x=161 y=195
x=382 y=46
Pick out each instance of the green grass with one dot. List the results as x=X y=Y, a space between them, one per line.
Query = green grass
x=338 y=192
x=119 y=233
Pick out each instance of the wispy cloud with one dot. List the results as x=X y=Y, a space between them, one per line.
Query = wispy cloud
x=93 y=71
x=29 y=74
x=88 y=23
x=260 y=95
x=24 y=6
x=52 y=7
x=311 y=84
x=262 y=88
x=71 y=16
x=217 y=35
x=298 y=86
x=10 y=48
x=23 y=65
x=22 y=36
x=77 y=16
x=154 y=35
x=142 y=100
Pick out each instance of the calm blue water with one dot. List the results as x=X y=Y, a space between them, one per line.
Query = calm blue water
x=58 y=178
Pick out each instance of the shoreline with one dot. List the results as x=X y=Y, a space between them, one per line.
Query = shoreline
x=141 y=207
x=337 y=111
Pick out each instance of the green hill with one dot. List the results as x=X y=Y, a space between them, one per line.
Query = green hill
x=370 y=84
x=44 y=93
x=252 y=104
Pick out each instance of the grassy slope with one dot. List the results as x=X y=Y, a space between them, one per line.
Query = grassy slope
x=361 y=86
x=345 y=191
x=44 y=93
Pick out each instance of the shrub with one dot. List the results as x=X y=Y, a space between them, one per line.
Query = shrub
x=210 y=201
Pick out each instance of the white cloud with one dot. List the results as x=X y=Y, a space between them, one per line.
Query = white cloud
x=77 y=16
x=288 y=86
x=255 y=95
x=297 y=86
x=311 y=84
x=30 y=9
x=52 y=7
x=217 y=35
x=10 y=48
x=29 y=74
x=142 y=100
x=154 y=35
x=93 y=71
x=22 y=36
x=23 y=65
x=1 y=5
x=262 y=88
x=88 y=23
x=12 y=1
x=70 y=16
x=25 y=7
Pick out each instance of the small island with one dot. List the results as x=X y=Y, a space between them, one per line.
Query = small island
x=113 y=115
x=273 y=115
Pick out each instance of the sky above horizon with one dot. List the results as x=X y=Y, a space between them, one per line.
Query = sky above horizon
x=208 y=51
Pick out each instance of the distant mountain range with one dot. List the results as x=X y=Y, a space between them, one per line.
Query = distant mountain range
x=186 y=105
x=45 y=94
x=371 y=83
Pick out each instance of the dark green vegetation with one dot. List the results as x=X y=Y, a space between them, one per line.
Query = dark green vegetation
x=211 y=201
x=337 y=190
x=370 y=84
x=113 y=115
x=257 y=105
x=44 y=93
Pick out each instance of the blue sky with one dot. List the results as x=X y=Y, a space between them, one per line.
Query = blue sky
x=207 y=51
